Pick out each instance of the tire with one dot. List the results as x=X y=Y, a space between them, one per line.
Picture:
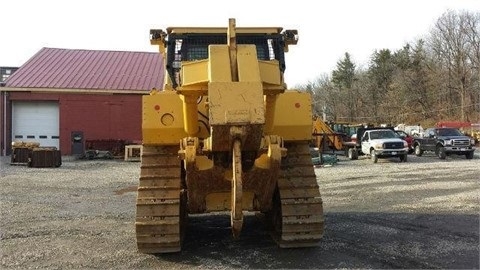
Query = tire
x=469 y=155
x=403 y=158
x=90 y=155
x=418 y=151
x=108 y=155
x=352 y=154
x=355 y=154
x=441 y=152
x=373 y=156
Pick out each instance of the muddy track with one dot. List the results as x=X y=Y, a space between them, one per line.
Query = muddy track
x=158 y=219
x=298 y=201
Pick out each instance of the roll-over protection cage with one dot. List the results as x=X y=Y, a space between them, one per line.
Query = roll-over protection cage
x=194 y=46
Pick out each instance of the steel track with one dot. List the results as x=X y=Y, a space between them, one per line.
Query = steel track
x=297 y=214
x=161 y=213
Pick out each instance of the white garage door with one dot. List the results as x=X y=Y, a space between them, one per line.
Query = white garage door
x=36 y=122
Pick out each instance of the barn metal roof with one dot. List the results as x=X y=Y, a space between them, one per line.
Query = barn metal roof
x=90 y=69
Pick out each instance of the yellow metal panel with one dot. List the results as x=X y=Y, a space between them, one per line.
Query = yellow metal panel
x=190 y=114
x=248 y=70
x=221 y=30
x=195 y=72
x=221 y=201
x=236 y=103
x=270 y=72
x=219 y=64
x=293 y=116
x=162 y=121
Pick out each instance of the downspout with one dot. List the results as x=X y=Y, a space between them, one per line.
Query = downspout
x=4 y=150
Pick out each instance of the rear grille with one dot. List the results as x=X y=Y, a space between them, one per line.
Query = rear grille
x=393 y=145
x=461 y=143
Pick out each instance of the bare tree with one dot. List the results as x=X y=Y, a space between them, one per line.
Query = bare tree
x=324 y=98
x=435 y=78
x=414 y=81
x=473 y=36
x=454 y=40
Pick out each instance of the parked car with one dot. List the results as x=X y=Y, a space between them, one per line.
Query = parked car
x=377 y=142
x=406 y=137
x=445 y=142
x=383 y=143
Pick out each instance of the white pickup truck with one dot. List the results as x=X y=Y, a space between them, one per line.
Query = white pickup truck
x=376 y=142
x=383 y=142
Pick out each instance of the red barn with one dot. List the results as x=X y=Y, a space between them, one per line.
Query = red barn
x=70 y=98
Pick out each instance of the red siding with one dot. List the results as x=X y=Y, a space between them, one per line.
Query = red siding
x=100 y=117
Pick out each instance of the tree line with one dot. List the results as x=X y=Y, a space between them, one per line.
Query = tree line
x=429 y=80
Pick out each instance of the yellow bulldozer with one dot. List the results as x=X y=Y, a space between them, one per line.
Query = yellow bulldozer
x=225 y=135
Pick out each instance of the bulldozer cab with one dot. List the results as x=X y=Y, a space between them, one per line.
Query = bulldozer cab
x=195 y=47
x=191 y=44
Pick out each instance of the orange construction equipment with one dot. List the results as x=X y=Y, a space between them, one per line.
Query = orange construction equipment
x=324 y=137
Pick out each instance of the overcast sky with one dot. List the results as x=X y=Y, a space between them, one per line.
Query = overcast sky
x=327 y=29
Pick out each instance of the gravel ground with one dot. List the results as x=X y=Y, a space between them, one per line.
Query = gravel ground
x=419 y=214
